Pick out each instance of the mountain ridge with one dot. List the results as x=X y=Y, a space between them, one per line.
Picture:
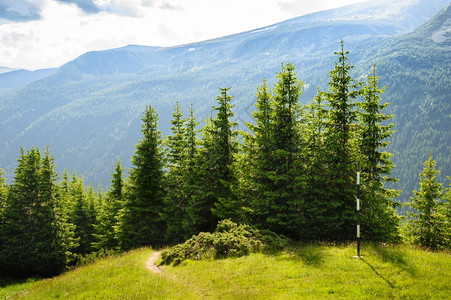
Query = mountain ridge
x=88 y=111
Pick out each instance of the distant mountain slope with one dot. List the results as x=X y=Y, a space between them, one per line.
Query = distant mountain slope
x=16 y=78
x=416 y=68
x=88 y=111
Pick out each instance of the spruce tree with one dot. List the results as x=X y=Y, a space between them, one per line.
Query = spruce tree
x=340 y=161
x=426 y=225
x=108 y=220
x=192 y=175
x=3 y=195
x=286 y=177
x=33 y=241
x=378 y=216
x=142 y=222
x=446 y=215
x=203 y=198
x=176 y=201
x=273 y=159
x=255 y=161
x=225 y=147
x=316 y=195
x=82 y=215
x=213 y=198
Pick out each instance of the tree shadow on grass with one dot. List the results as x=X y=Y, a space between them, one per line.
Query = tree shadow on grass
x=395 y=256
x=7 y=281
x=311 y=254
x=377 y=273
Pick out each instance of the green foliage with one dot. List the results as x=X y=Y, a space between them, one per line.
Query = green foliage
x=33 y=241
x=3 y=195
x=381 y=223
x=304 y=271
x=293 y=175
x=180 y=154
x=214 y=197
x=430 y=224
x=108 y=216
x=82 y=214
x=228 y=240
x=340 y=159
x=141 y=220
x=273 y=151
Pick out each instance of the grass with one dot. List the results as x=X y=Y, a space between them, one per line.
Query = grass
x=10 y=287
x=302 y=272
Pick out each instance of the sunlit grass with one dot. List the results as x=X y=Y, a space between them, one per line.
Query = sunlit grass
x=121 y=277
x=10 y=287
x=302 y=272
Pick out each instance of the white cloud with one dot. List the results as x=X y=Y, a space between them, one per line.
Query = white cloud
x=66 y=30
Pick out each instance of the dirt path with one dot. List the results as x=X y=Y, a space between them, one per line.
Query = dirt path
x=150 y=264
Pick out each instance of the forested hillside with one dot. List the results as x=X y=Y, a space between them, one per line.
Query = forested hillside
x=416 y=68
x=301 y=172
x=88 y=111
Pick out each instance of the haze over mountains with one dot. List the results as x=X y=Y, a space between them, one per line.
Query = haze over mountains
x=88 y=111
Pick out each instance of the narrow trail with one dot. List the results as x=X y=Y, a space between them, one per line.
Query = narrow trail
x=150 y=264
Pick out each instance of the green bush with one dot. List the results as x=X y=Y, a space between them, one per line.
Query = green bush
x=228 y=240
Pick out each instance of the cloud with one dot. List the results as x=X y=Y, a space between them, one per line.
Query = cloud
x=170 y=6
x=87 y=6
x=21 y=10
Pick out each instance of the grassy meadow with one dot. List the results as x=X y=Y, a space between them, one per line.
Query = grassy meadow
x=304 y=271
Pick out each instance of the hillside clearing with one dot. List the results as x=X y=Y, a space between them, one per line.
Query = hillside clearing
x=306 y=271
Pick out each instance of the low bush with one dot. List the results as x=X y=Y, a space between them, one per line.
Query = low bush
x=228 y=240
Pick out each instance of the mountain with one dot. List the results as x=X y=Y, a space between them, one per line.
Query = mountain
x=16 y=78
x=416 y=68
x=89 y=110
x=6 y=69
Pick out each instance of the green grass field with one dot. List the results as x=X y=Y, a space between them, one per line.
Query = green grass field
x=303 y=272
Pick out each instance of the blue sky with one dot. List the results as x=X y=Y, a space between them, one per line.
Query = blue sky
x=37 y=34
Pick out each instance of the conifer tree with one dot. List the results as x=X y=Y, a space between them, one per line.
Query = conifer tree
x=214 y=176
x=284 y=199
x=82 y=215
x=446 y=215
x=142 y=221
x=379 y=219
x=203 y=198
x=273 y=152
x=340 y=160
x=316 y=195
x=108 y=220
x=176 y=201
x=32 y=240
x=3 y=195
x=225 y=147
x=426 y=225
x=256 y=158
x=191 y=153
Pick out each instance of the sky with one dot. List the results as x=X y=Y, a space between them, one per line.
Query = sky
x=37 y=34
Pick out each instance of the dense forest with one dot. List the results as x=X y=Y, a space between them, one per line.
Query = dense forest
x=292 y=173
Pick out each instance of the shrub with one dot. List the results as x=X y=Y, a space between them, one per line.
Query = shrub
x=228 y=240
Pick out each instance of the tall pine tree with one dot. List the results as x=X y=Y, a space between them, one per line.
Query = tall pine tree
x=32 y=241
x=378 y=216
x=426 y=225
x=108 y=220
x=213 y=198
x=3 y=195
x=284 y=199
x=316 y=195
x=274 y=154
x=255 y=161
x=340 y=161
x=82 y=215
x=142 y=222
x=176 y=201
